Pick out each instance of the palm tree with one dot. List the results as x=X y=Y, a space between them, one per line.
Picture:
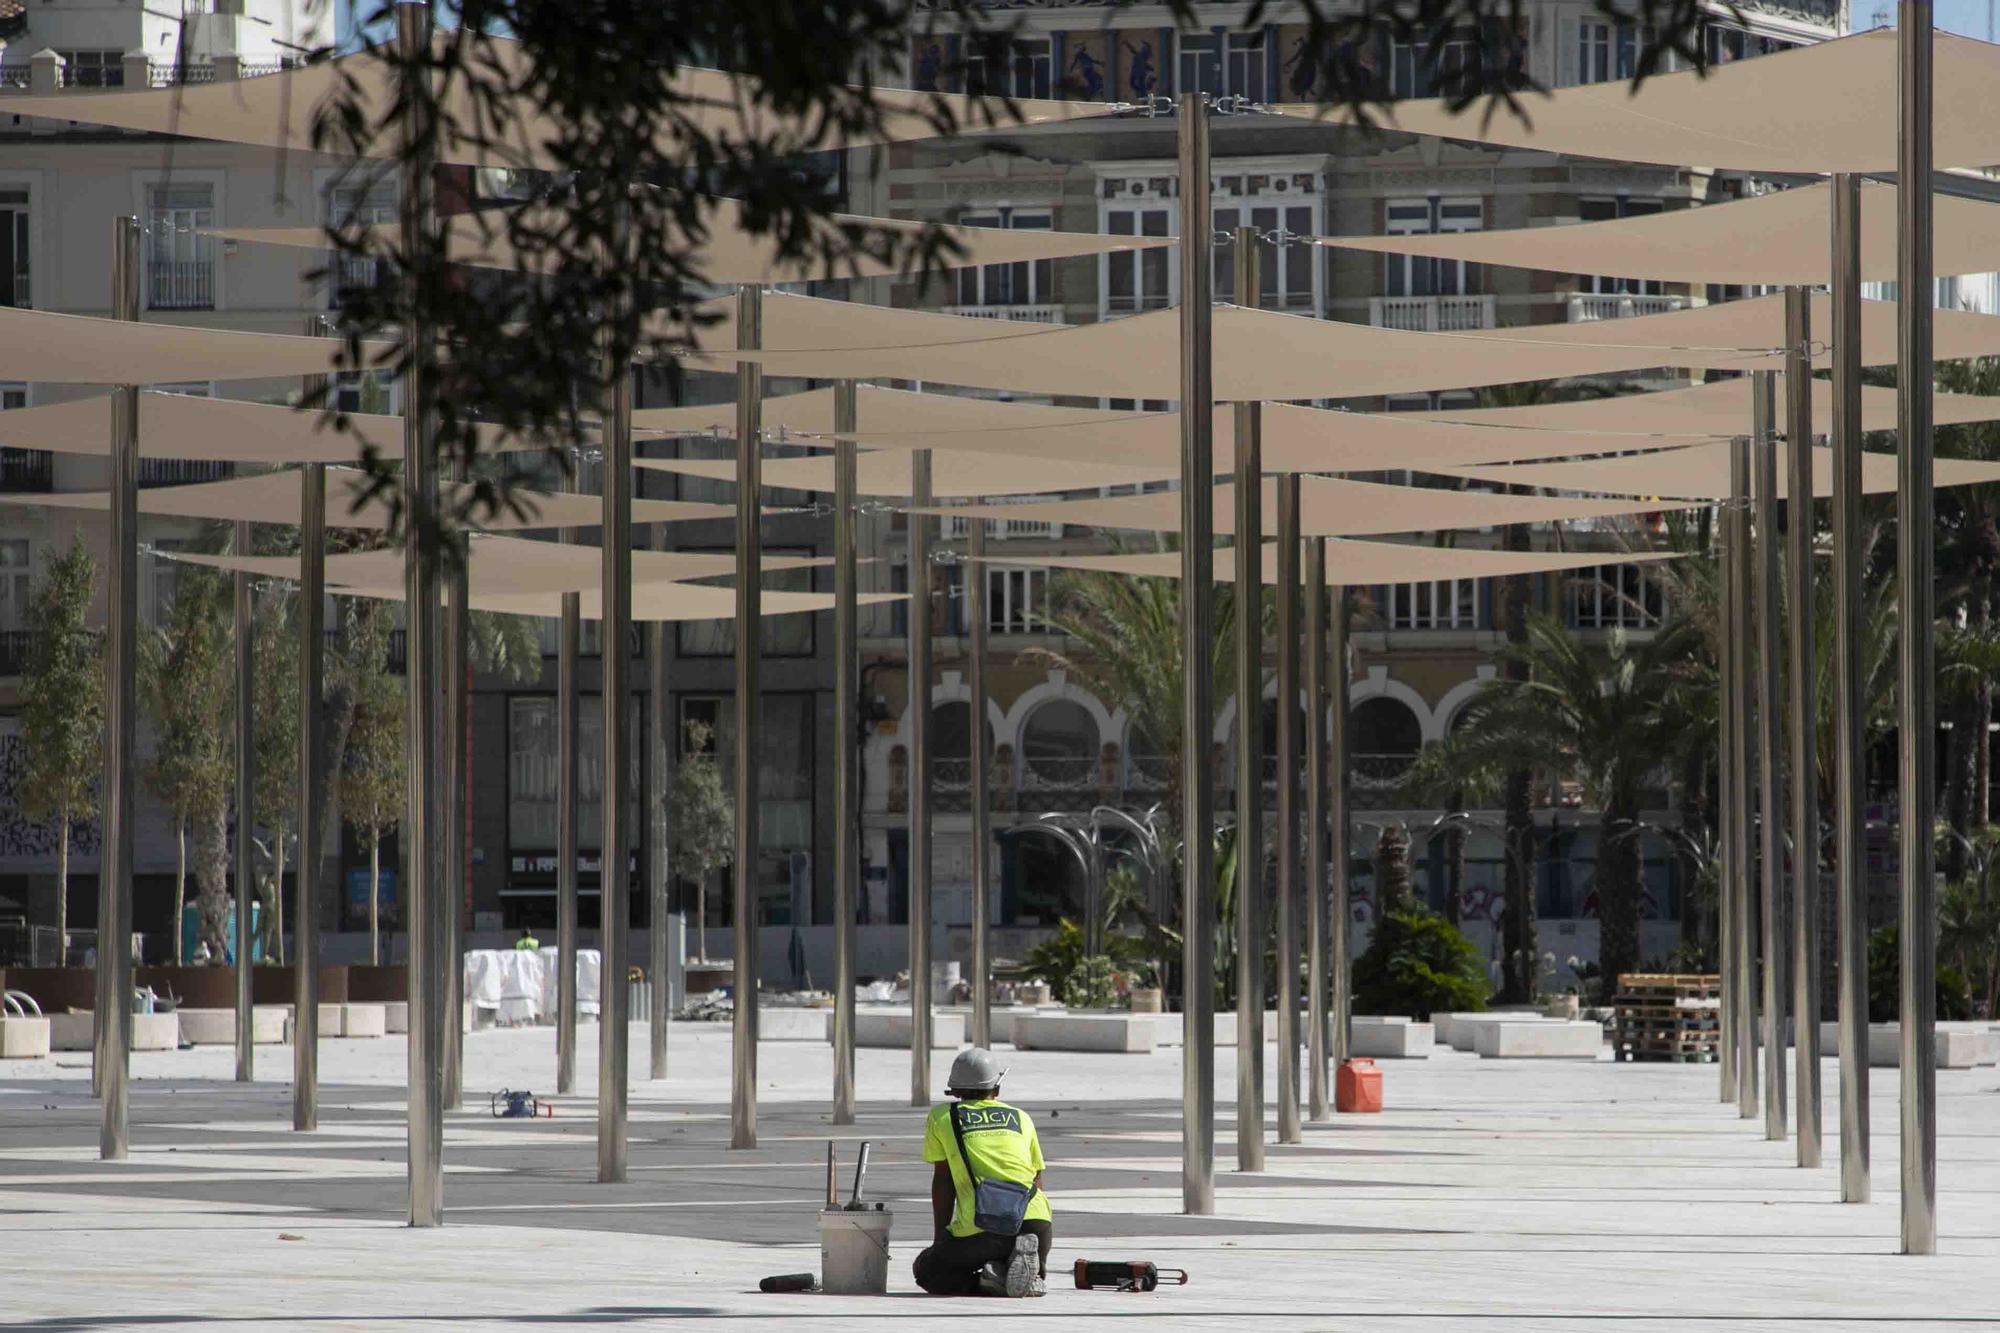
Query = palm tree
x=1968 y=571
x=1604 y=713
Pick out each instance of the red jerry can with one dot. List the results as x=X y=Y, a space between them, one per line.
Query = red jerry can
x=1357 y=1086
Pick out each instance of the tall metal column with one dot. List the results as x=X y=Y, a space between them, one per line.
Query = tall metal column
x=749 y=660
x=1916 y=772
x=421 y=814
x=246 y=848
x=846 y=748
x=1339 y=950
x=614 y=895
x=1287 y=885
x=1317 y=1037
x=1770 y=752
x=659 y=773
x=1741 y=661
x=114 y=890
x=982 y=765
x=569 y=633
x=455 y=659
x=1197 y=700
x=917 y=725
x=1804 y=713
x=1850 y=701
x=312 y=789
x=1729 y=834
x=1250 y=897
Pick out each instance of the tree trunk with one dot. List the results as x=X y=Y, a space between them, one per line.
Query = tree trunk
x=375 y=900
x=701 y=918
x=180 y=890
x=1618 y=890
x=278 y=889
x=62 y=887
x=1520 y=969
x=211 y=877
x=1393 y=891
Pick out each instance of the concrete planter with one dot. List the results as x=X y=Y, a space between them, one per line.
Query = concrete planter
x=1959 y=1045
x=890 y=1028
x=396 y=1015
x=1510 y=1038
x=1391 y=1039
x=1147 y=1000
x=77 y=1031
x=217 y=1027
x=363 y=1020
x=1457 y=1030
x=1112 y=1032
x=24 y=1038
x=795 y=1025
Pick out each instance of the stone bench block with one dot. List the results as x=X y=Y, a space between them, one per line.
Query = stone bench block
x=795 y=1025
x=24 y=1038
x=72 y=1031
x=396 y=1016
x=1511 y=1038
x=217 y=1027
x=363 y=1020
x=333 y=1020
x=1391 y=1039
x=150 y=1032
x=1116 y=1033
x=890 y=1028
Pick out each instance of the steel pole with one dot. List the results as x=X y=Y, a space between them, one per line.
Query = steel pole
x=417 y=207
x=1850 y=699
x=1770 y=752
x=113 y=1038
x=1339 y=951
x=1916 y=771
x=614 y=892
x=312 y=791
x=982 y=765
x=659 y=769
x=246 y=848
x=749 y=658
x=1730 y=836
x=1318 y=1039
x=1287 y=804
x=918 y=728
x=846 y=747
x=1251 y=913
x=569 y=634
x=1197 y=699
x=1744 y=952
x=455 y=659
x=1804 y=713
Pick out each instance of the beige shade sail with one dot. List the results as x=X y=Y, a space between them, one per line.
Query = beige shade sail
x=1830 y=106
x=1357 y=563
x=880 y=413
x=512 y=566
x=733 y=254
x=1701 y=472
x=1779 y=238
x=1328 y=507
x=277 y=111
x=953 y=472
x=215 y=430
x=814 y=325
x=48 y=348
x=1718 y=408
x=273 y=497
x=1270 y=356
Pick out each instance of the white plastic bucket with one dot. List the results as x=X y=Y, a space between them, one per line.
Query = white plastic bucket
x=854 y=1252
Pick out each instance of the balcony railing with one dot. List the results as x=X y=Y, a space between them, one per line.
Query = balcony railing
x=955 y=527
x=1061 y=784
x=1016 y=314
x=14 y=645
x=180 y=284
x=27 y=470
x=1587 y=306
x=182 y=471
x=1431 y=314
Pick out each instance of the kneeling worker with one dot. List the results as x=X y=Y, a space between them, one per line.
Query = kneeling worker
x=990 y=1216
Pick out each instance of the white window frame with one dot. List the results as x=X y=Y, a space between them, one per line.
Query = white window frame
x=1016 y=596
x=1431 y=604
x=1282 y=287
x=1605 y=51
x=1433 y=215
x=1410 y=76
x=1615 y=597
x=1246 y=65
x=1623 y=205
x=199 y=250
x=344 y=202
x=19 y=218
x=987 y=284
x=17 y=571
x=1140 y=218
x=1030 y=70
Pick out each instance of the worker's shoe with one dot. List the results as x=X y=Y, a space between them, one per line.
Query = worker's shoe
x=1024 y=1270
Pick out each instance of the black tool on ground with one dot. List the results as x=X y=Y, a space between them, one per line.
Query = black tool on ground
x=509 y=1104
x=789 y=1282
x=1125 y=1275
x=854 y=1204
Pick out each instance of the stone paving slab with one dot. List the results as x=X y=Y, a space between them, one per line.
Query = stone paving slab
x=1486 y=1196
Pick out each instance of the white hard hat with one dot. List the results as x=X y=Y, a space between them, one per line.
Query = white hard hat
x=975 y=1068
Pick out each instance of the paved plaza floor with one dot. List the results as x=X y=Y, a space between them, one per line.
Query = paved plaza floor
x=1495 y=1196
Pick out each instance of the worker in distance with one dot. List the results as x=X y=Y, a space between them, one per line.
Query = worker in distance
x=990 y=1219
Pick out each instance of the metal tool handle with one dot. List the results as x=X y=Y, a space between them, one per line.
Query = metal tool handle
x=832 y=1178
x=860 y=1173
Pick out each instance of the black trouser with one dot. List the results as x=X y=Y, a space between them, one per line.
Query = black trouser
x=950 y=1267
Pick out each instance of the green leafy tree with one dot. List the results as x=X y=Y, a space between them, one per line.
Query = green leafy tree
x=1418 y=964
x=374 y=773
x=186 y=684
x=62 y=711
x=1885 y=975
x=702 y=820
x=1603 y=713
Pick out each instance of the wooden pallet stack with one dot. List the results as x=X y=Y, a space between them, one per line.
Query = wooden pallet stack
x=1668 y=1016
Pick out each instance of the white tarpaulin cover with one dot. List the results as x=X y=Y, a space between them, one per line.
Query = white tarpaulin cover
x=277 y=111
x=1356 y=563
x=1778 y=238
x=588 y=964
x=1701 y=472
x=1824 y=107
x=1328 y=507
x=273 y=497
